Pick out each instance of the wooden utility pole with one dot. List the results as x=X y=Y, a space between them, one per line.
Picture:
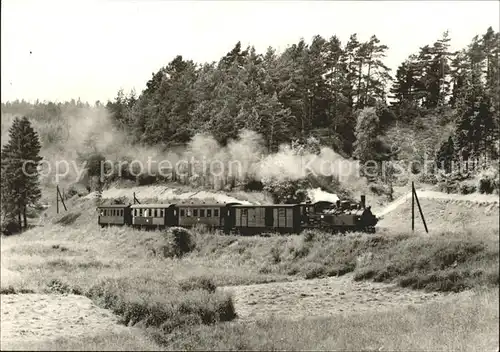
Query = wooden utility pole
x=412 y=207
x=414 y=197
x=136 y=201
x=59 y=195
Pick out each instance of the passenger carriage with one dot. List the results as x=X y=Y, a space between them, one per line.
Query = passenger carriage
x=154 y=215
x=212 y=215
x=114 y=214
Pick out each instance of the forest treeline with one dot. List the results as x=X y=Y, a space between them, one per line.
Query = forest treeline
x=315 y=89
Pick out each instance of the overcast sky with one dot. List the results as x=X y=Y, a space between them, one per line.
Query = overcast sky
x=58 y=50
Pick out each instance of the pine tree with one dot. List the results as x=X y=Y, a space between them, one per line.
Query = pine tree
x=445 y=155
x=20 y=159
x=366 y=136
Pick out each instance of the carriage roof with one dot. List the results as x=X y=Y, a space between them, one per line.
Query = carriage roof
x=147 y=206
x=201 y=204
x=266 y=205
x=113 y=206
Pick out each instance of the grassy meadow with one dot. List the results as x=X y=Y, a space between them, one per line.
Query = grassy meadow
x=165 y=283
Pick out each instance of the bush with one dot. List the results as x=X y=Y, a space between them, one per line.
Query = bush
x=253 y=185
x=448 y=187
x=76 y=189
x=378 y=189
x=486 y=185
x=467 y=188
x=287 y=191
x=180 y=242
x=428 y=178
x=168 y=309
x=198 y=283
x=145 y=180
x=10 y=227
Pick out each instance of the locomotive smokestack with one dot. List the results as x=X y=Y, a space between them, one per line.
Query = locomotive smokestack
x=363 y=201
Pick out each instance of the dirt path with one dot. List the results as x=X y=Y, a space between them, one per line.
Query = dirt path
x=37 y=317
x=475 y=198
x=321 y=297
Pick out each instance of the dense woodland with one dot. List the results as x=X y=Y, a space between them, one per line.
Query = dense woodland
x=341 y=93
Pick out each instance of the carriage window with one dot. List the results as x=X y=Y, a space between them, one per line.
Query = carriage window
x=281 y=212
x=161 y=213
x=202 y=213
x=155 y=213
x=182 y=212
x=244 y=212
x=216 y=212
x=140 y=212
x=188 y=212
x=195 y=212
x=209 y=213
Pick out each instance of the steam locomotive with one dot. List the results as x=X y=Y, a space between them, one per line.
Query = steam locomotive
x=243 y=219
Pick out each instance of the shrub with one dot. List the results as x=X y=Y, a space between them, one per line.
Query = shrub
x=448 y=187
x=253 y=185
x=313 y=270
x=145 y=180
x=428 y=178
x=10 y=227
x=76 y=189
x=137 y=303
x=180 y=242
x=488 y=180
x=56 y=285
x=467 y=188
x=378 y=189
x=197 y=283
x=486 y=185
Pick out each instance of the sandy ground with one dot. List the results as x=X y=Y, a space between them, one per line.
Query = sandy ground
x=31 y=318
x=322 y=297
x=36 y=317
x=426 y=194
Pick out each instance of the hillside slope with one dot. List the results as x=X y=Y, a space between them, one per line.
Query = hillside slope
x=453 y=212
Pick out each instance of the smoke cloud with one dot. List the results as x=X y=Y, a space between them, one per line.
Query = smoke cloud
x=91 y=130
